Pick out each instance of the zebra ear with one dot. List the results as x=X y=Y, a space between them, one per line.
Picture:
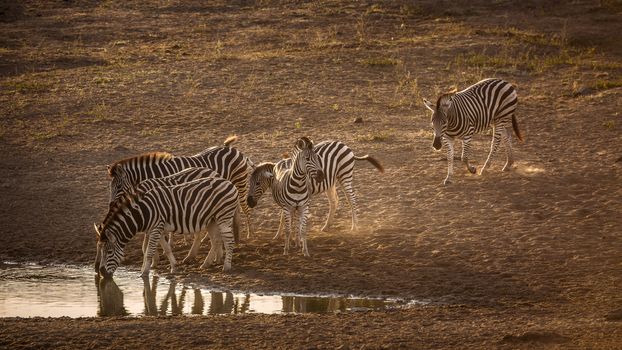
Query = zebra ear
x=98 y=230
x=429 y=104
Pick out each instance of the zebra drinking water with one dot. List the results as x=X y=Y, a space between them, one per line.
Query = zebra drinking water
x=204 y=204
x=289 y=187
x=337 y=163
x=227 y=161
x=460 y=115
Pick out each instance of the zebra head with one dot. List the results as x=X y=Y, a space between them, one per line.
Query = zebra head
x=439 y=117
x=304 y=158
x=259 y=181
x=109 y=247
x=109 y=251
x=119 y=184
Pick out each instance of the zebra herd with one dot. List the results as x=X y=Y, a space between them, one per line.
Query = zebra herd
x=202 y=195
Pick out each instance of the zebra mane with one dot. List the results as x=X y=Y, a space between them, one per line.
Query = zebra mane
x=112 y=169
x=444 y=97
x=118 y=206
x=230 y=140
x=264 y=166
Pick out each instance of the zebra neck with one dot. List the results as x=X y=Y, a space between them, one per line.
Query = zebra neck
x=136 y=219
x=298 y=176
x=453 y=118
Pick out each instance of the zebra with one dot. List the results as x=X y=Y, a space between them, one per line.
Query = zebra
x=227 y=161
x=204 y=204
x=185 y=175
x=337 y=162
x=289 y=187
x=460 y=115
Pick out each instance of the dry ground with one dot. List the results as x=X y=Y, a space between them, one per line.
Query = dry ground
x=528 y=258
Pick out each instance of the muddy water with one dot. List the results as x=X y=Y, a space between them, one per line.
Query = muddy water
x=54 y=291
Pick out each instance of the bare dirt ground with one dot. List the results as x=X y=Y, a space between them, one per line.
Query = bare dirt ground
x=523 y=259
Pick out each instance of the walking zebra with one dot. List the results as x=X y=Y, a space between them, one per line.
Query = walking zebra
x=227 y=161
x=289 y=187
x=337 y=163
x=459 y=115
x=183 y=176
x=204 y=204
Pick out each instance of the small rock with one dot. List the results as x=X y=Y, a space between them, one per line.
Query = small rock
x=358 y=120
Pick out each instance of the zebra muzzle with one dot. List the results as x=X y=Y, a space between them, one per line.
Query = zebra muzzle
x=105 y=274
x=319 y=176
x=251 y=202
x=437 y=143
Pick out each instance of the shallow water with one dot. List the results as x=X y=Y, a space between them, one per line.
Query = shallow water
x=54 y=291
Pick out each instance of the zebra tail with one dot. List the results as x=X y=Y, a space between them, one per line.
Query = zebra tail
x=372 y=160
x=516 y=130
x=230 y=140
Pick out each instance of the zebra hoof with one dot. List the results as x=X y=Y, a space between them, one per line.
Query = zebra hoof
x=472 y=169
x=447 y=182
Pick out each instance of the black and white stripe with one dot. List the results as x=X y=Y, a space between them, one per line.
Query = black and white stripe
x=460 y=115
x=183 y=176
x=337 y=162
x=227 y=161
x=196 y=206
x=289 y=187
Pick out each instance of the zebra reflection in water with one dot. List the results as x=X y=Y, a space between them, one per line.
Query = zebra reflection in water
x=110 y=298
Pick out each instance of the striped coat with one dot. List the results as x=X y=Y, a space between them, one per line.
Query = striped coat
x=460 y=115
x=227 y=161
x=196 y=206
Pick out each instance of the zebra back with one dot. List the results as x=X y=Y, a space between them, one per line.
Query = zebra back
x=185 y=175
x=477 y=107
x=228 y=162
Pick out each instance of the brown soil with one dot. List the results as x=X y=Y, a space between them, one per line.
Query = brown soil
x=523 y=259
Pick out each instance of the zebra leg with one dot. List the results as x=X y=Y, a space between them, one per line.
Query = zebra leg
x=156 y=257
x=212 y=232
x=304 y=214
x=466 y=152
x=247 y=211
x=226 y=233
x=332 y=203
x=194 y=249
x=154 y=238
x=295 y=239
x=169 y=253
x=281 y=223
x=449 y=145
x=218 y=246
x=507 y=140
x=351 y=199
x=494 y=146
x=288 y=230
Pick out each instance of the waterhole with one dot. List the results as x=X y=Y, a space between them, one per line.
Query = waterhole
x=28 y=290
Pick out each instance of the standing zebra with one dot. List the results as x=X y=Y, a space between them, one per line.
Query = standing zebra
x=289 y=187
x=196 y=206
x=227 y=161
x=337 y=163
x=183 y=176
x=459 y=115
